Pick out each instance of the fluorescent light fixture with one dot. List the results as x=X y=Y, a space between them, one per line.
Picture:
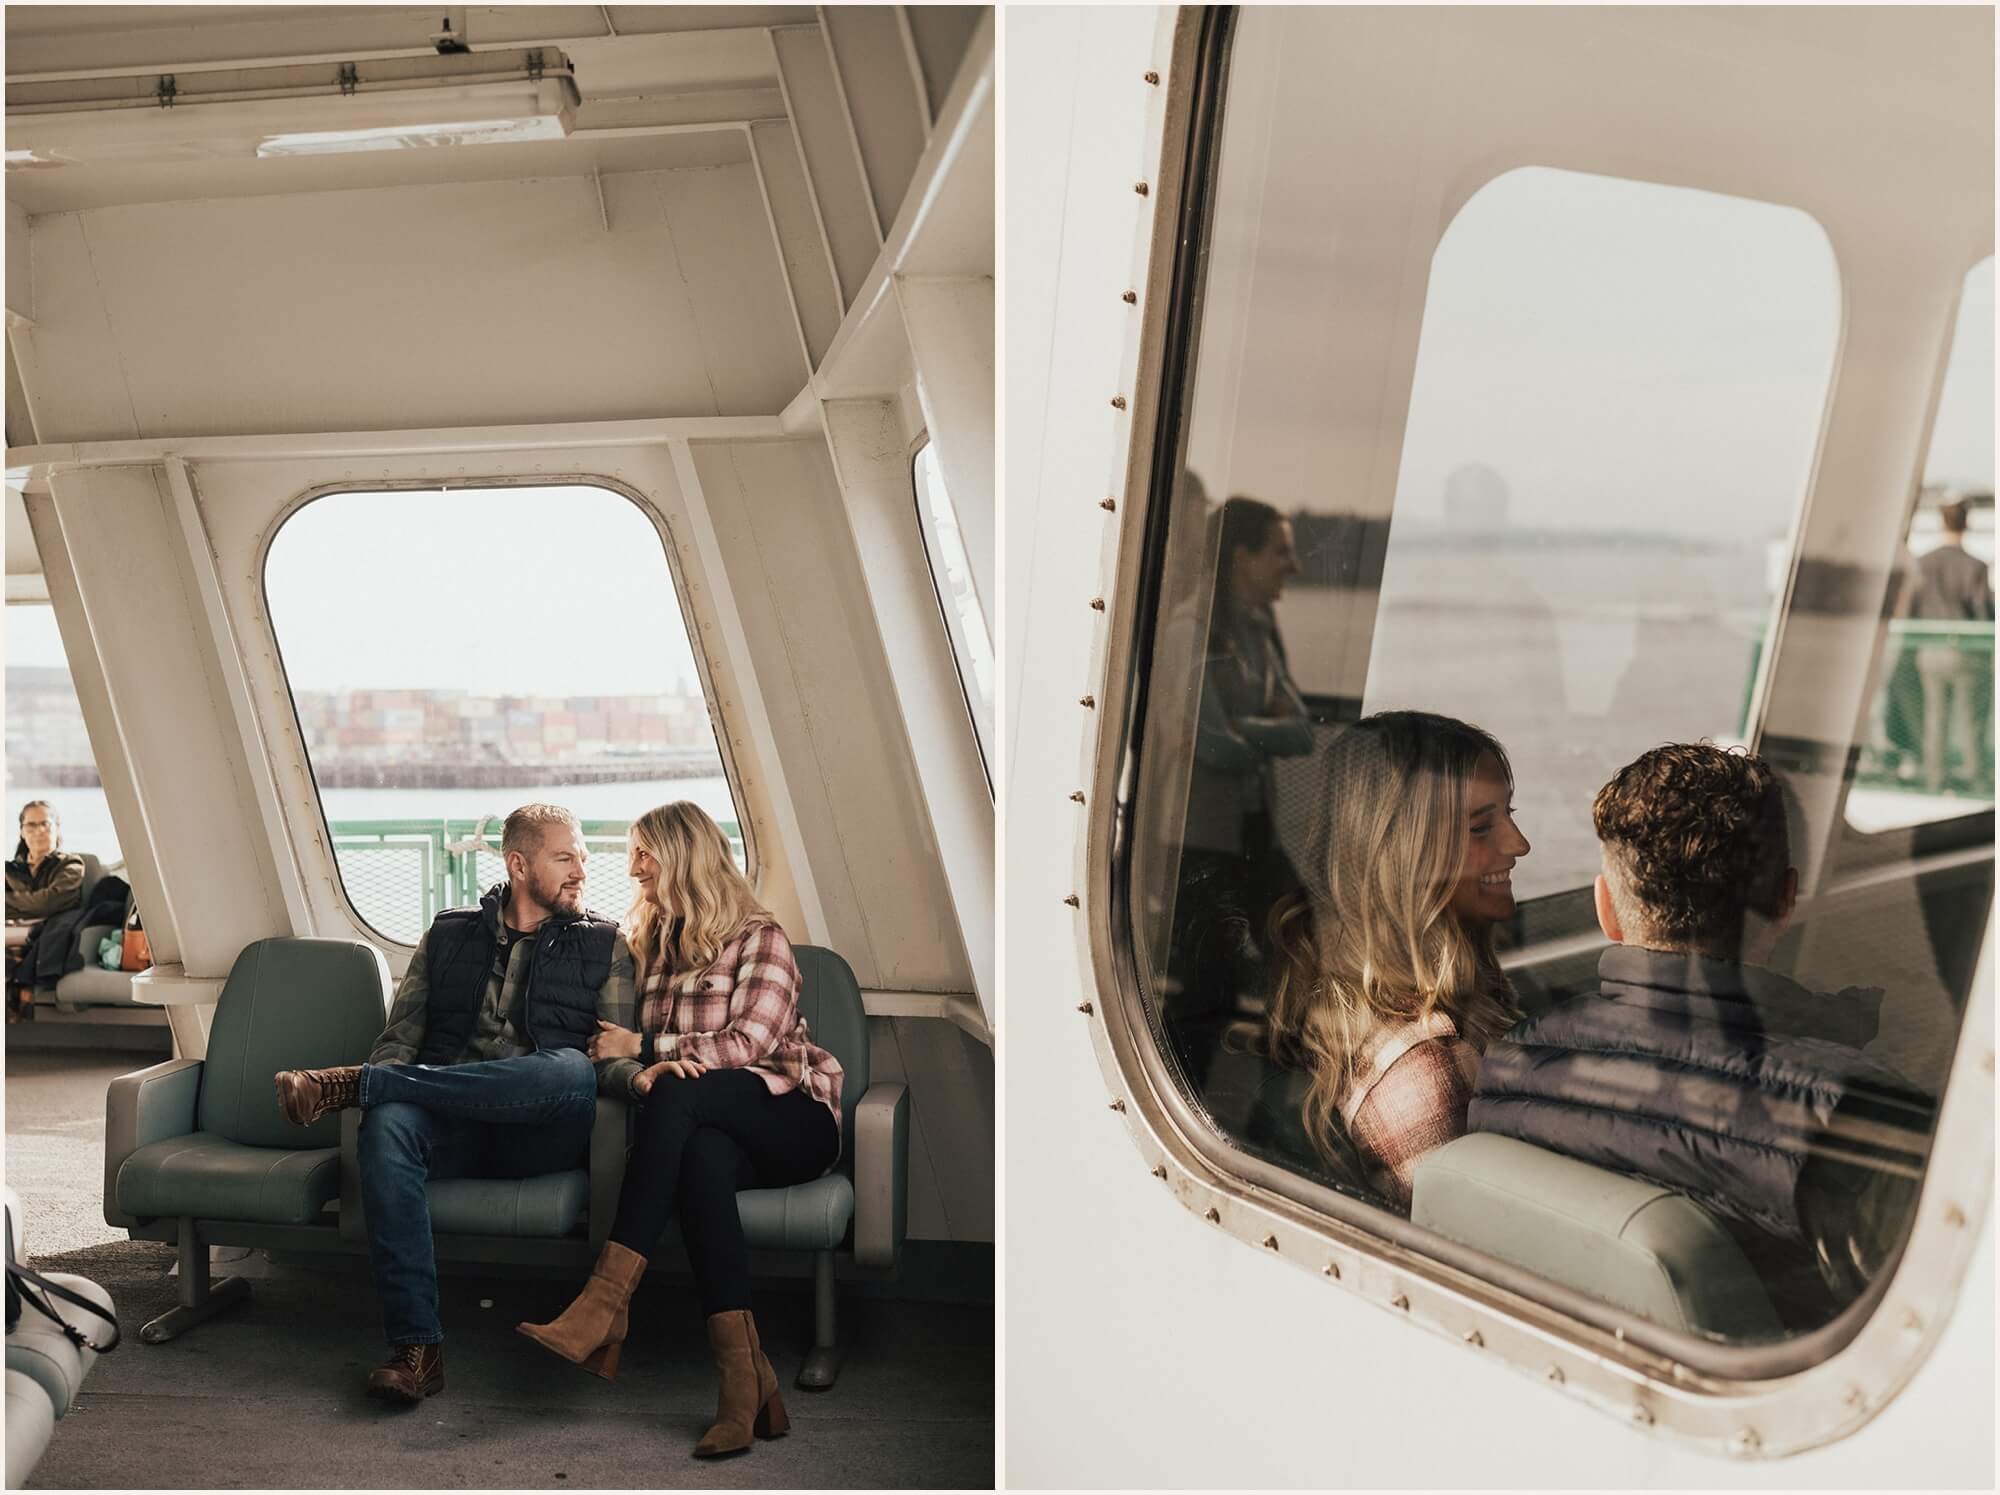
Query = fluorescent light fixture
x=401 y=137
x=305 y=122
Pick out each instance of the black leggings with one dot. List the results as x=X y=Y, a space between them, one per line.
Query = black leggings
x=697 y=1142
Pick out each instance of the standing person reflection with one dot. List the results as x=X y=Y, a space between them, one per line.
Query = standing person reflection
x=1232 y=867
x=1388 y=988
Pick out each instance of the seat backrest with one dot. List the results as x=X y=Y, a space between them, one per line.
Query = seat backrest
x=830 y=1002
x=288 y=1004
x=93 y=873
x=1630 y=1242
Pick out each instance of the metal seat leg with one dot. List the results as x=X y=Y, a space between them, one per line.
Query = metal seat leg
x=200 y=1298
x=822 y=1363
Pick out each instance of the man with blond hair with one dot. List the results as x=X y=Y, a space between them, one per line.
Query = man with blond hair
x=1698 y=1068
x=482 y=1070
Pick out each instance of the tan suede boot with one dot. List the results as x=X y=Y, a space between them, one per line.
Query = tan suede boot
x=748 y=1400
x=591 y=1331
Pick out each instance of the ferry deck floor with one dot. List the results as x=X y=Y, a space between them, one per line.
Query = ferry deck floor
x=269 y=1394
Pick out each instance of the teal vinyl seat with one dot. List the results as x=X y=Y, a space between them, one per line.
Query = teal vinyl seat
x=1633 y=1243
x=197 y=1151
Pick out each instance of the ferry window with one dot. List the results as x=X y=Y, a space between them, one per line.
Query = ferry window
x=1927 y=748
x=951 y=574
x=1393 y=650
x=48 y=750
x=453 y=654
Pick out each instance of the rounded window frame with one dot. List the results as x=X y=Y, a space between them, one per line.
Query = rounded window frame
x=662 y=528
x=1734 y=1401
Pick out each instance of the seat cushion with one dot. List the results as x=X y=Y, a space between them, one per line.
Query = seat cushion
x=550 y=1204
x=31 y=1422
x=213 y=1178
x=37 y=1348
x=1628 y=1241
x=805 y=1217
x=94 y=986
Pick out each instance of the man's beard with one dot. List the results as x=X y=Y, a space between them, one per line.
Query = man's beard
x=552 y=896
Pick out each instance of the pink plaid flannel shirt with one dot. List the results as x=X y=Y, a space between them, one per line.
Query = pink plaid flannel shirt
x=741 y=1011
x=1412 y=1085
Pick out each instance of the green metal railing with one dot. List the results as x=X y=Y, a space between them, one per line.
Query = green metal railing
x=400 y=873
x=1893 y=748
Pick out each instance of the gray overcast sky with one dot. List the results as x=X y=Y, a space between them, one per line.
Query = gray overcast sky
x=547 y=591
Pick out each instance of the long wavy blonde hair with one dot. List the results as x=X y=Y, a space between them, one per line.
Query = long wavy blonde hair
x=1377 y=943
x=704 y=902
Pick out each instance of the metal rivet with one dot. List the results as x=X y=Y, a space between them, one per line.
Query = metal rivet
x=1643 y=1416
x=1987 y=1063
x=1556 y=1376
x=1474 y=1338
x=1088 y=703
x=1913 y=1321
x=1073 y=901
x=1076 y=797
x=1118 y=1106
x=1141 y=188
x=1118 y=402
x=1109 y=505
x=1402 y=1301
x=1085 y=1008
x=1331 y=1269
x=1214 y=1216
x=1745 y=1442
x=1160 y=1172
x=1270 y=1243
x=1953 y=1215
x=1857 y=1398
x=1097 y=604
x=1153 y=78
x=1130 y=298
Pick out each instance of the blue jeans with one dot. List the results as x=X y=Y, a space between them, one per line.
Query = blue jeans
x=498 y=1118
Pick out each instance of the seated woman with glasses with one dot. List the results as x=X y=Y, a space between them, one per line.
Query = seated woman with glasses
x=42 y=879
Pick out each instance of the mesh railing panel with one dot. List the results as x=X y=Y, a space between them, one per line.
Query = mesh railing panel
x=400 y=874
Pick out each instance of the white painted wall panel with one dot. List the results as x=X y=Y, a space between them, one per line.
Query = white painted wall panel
x=808 y=267
x=884 y=98
x=832 y=162
x=792 y=563
x=941 y=34
x=471 y=304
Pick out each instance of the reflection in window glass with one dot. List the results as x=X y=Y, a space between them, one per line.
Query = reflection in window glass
x=1376 y=719
x=1617 y=397
x=48 y=751
x=1928 y=750
x=455 y=654
x=971 y=643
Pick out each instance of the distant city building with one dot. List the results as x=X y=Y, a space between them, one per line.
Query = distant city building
x=372 y=728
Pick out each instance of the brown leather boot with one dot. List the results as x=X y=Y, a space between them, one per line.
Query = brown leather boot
x=305 y=1095
x=748 y=1401
x=411 y=1373
x=591 y=1331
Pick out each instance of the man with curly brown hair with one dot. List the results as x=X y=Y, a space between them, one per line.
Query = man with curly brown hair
x=1694 y=1066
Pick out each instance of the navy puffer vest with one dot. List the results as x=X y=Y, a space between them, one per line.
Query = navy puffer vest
x=1707 y=1076
x=572 y=959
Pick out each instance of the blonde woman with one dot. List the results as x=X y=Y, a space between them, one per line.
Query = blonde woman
x=732 y=1093
x=1388 y=989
